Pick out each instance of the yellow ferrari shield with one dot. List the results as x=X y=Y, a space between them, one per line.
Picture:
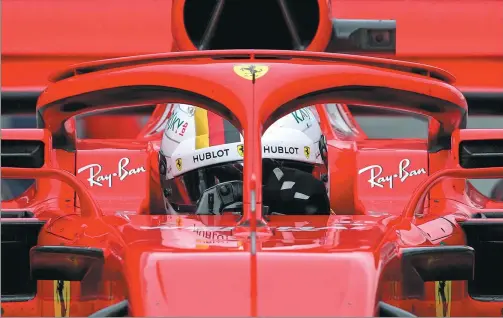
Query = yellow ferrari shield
x=251 y=71
x=443 y=298
x=179 y=221
x=178 y=163
x=61 y=298
x=307 y=151
x=241 y=149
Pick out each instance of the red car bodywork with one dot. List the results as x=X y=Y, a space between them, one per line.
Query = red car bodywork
x=40 y=36
x=383 y=246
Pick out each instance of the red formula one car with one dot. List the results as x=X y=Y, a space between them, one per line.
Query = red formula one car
x=217 y=225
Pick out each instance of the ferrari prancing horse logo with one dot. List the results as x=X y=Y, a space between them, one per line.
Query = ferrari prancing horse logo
x=178 y=163
x=61 y=298
x=249 y=71
x=241 y=150
x=307 y=151
x=443 y=294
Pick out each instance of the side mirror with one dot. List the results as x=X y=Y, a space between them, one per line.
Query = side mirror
x=439 y=263
x=25 y=148
x=66 y=263
x=351 y=35
x=478 y=148
x=417 y=265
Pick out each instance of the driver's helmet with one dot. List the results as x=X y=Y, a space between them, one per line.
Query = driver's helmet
x=202 y=152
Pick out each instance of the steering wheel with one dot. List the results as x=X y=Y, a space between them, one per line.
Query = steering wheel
x=287 y=191
x=221 y=197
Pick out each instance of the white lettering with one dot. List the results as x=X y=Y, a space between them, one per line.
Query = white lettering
x=376 y=180
x=97 y=179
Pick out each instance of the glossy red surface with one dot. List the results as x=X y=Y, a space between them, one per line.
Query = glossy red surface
x=88 y=205
x=174 y=265
x=38 y=37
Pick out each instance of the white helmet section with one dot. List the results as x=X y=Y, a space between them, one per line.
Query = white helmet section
x=293 y=137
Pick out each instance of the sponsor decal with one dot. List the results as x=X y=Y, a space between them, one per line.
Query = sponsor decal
x=251 y=71
x=211 y=155
x=98 y=179
x=184 y=128
x=61 y=298
x=307 y=152
x=241 y=150
x=211 y=236
x=443 y=293
x=281 y=150
x=278 y=150
x=301 y=115
x=177 y=125
x=378 y=180
x=178 y=163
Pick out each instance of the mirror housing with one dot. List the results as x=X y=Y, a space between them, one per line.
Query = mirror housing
x=478 y=148
x=66 y=263
x=439 y=263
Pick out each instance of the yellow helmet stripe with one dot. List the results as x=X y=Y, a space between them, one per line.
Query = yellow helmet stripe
x=202 y=130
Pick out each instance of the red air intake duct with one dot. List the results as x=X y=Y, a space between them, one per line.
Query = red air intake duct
x=251 y=24
x=304 y=25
